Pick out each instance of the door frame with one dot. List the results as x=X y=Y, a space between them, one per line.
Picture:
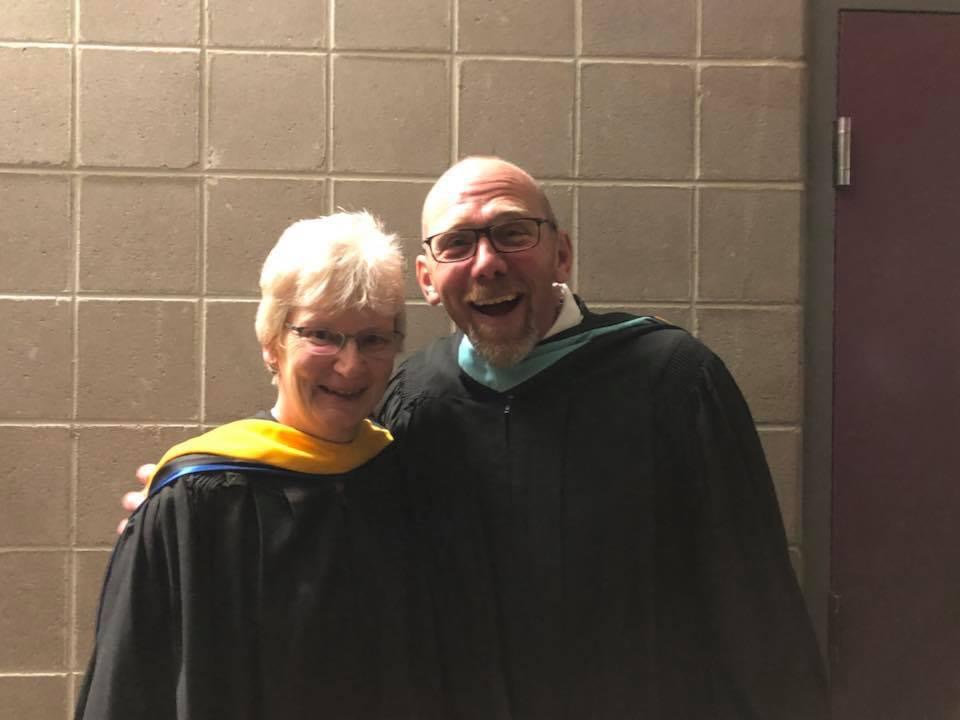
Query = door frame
x=821 y=32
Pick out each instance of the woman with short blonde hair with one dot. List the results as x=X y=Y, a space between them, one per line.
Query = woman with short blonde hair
x=270 y=573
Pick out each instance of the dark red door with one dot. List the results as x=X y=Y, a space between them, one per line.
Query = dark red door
x=895 y=565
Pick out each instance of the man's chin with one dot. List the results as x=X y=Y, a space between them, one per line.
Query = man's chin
x=503 y=353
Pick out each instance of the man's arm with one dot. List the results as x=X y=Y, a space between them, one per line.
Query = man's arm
x=762 y=641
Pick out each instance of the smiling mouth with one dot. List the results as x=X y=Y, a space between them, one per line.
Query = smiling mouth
x=496 y=306
x=344 y=394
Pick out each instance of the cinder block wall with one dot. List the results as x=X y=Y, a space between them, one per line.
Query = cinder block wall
x=151 y=152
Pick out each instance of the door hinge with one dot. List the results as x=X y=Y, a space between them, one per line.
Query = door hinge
x=841 y=151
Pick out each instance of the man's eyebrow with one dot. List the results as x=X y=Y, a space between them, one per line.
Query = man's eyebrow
x=499 y=217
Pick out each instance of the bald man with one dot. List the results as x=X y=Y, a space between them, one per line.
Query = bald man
x=602 y=528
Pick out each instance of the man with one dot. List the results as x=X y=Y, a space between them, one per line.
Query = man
x=602 y=533
x=602 y=525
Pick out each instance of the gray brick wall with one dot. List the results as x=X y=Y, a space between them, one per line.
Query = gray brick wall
x=150 y=154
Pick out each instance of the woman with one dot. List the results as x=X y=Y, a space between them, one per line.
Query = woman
x=270 y=572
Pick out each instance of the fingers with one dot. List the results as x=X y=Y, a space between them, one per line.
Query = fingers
x=132 y=500
x=144 y=472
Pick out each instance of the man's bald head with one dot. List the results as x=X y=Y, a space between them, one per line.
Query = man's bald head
x=473 y=174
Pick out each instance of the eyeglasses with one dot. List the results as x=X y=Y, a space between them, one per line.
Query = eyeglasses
x=373 y=344
x=509 y=236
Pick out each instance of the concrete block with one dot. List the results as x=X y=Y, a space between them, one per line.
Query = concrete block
x=33 y=612
x=517 y=27
x=750 y=244
x=400 y=123
x=753 y=28
x=138 y=360
x=36 y=235
x=245 y=218
x=753 y=123
x=254 y=23
x=35 y=105
x=391 y=25
x=763 y=350
x=537 y=130
x=637 y=121
x=267 y=112
x=36 y=485
x=37 y=358
x=649 y=27
x=139 y=235
x=139 y=108
x=160 y=22
x=635 y=244
x=238 y=384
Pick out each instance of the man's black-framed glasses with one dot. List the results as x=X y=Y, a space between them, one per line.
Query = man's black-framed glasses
x=506 y=236
x=372 y=343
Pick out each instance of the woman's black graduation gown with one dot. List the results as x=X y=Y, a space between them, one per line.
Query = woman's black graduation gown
x=264 y=593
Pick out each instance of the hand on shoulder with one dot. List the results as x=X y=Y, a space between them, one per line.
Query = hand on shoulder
x=133 y=499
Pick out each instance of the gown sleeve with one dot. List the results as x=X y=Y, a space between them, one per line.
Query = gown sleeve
x=766 y=661
x=395 y=409
x=174 y=619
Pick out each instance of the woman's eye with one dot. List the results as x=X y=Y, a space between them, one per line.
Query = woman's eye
x=322 y=336
x=373 y=341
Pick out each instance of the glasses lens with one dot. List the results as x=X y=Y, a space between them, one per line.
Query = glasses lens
x=376 y=344
x=326 y=341
x=454 y=245
x=515 y=235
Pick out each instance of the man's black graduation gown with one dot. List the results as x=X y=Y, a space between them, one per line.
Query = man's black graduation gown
x=605 y=540
x=265 y=594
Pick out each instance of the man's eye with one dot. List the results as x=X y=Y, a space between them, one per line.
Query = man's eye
x=456 y=240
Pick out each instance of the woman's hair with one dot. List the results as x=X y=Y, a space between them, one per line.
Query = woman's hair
x=332 y=263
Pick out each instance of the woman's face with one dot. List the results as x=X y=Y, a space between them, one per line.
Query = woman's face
x=329 y=395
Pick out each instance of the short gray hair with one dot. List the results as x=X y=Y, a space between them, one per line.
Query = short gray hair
x=336 y=262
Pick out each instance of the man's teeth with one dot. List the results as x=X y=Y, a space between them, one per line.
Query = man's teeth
x=496 y=300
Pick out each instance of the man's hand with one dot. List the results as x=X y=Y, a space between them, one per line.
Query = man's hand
x=131 y=500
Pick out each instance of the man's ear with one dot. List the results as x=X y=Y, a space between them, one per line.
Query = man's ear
x=425 y=280
x=564 y=257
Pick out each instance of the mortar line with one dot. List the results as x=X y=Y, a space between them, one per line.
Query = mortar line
x=577 y=88
x=695 y=254
x=329 y=159
x=70 y=580
x=73 y=485
x=347 y=176
x=455 y=71
x=204 y=205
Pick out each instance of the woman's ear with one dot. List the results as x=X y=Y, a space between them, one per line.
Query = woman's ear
x=270 y=359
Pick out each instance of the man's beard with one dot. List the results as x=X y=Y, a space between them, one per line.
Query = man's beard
x=501 y=352
x=504 y=353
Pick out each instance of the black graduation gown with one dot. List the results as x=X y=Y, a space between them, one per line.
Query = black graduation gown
x=267 y=594
x=605 y=541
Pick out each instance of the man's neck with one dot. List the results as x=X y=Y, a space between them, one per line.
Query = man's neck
x=568 y=312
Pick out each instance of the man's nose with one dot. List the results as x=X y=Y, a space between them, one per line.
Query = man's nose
x=487 y=262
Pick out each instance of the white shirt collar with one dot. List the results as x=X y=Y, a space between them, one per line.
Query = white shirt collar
x=569 y=315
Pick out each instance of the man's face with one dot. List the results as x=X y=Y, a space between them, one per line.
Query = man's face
x=505 y=303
